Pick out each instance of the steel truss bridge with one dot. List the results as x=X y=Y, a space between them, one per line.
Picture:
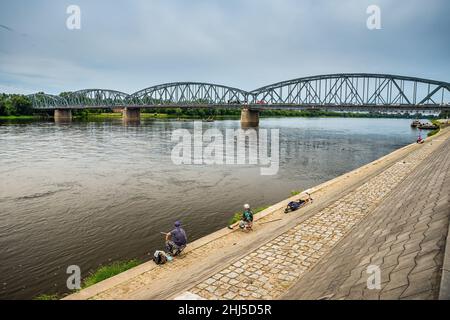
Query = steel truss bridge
x=347 y=91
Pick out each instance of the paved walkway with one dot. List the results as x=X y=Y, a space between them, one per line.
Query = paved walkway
x=404 y=235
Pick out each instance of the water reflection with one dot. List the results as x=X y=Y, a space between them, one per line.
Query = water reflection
x=131 y=123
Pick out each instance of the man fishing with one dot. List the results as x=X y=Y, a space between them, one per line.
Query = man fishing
x=247 y=218
x=176 y=240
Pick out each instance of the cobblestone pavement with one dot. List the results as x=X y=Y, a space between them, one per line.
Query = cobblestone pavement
x=405 y=237
x=404 y=244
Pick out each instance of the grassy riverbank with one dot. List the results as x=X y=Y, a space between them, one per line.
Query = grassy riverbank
x=106 y=116
x=109 y=271
x=217 y=114
x=102 y=273
x=437 y=123
x=21 y=117
x=236 y=114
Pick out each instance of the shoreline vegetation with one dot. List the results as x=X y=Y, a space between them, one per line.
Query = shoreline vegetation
x=437 y=123
x=85 y=115
x=102 y=273
x=440 y=124
x=108 y=271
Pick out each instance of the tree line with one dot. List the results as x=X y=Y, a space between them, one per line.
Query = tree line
x=308 y=113
x=15 y=105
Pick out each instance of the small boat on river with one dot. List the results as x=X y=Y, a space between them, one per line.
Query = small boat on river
x=416 y=123
x=423 y=125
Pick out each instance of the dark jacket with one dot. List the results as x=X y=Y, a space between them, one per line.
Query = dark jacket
x=179 y=236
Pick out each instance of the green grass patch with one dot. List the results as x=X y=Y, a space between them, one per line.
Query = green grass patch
x=99 y=116
x=295 y=192
x=436 y=122
x=102 y=273
x=238 y=215
x=20 y=117
x=104 y=115
x=185 y=116
x=435 y=132
x=45 y=297
x=109 y=271
x=144 y=115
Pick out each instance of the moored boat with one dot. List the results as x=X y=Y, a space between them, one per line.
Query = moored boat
x=416 y=123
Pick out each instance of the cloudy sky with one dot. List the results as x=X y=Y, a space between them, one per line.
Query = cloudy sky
x=130 y=45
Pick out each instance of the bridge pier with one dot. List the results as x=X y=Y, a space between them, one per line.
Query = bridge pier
x=131 y=114
x=249 y=118
x=117 y=110
x=63 y=115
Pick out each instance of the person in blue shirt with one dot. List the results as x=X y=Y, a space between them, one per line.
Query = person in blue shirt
x=176 y=240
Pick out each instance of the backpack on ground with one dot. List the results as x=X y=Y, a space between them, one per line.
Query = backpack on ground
x=294 y=205
x=159 y=257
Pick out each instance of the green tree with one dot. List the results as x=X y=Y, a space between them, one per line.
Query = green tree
x=2 y=105
x=178 y=111
x=22 y=105
x=6 y=106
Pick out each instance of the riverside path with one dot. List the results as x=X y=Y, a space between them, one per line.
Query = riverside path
x=392 y=214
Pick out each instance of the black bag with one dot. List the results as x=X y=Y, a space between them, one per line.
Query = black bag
x=159 y=257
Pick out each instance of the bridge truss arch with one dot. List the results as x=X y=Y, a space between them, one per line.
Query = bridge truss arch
x=189 y=94
x=347 y=91
x=356 y=89
x=45 y=101
x=96 y=98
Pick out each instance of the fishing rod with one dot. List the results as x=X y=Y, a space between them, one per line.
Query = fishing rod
x=232 y=226
x=271 y=221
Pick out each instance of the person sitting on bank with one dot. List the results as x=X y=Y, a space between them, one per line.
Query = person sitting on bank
x=176 y=240
x=247 y=219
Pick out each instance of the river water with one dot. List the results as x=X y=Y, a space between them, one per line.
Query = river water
x=88 y=193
